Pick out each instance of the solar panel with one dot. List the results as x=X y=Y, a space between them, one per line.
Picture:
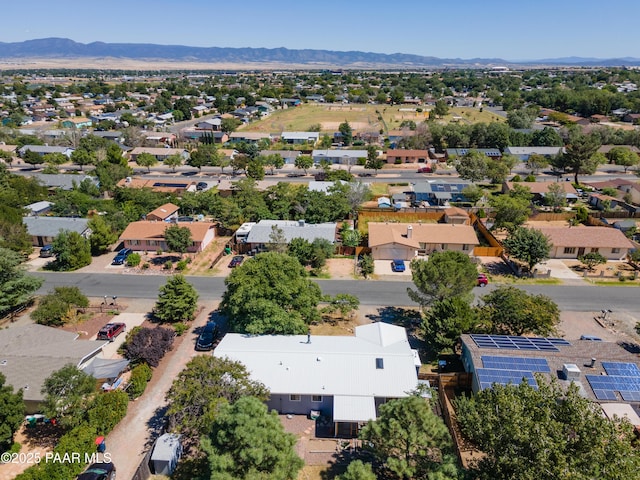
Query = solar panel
x=488 y=376
x=622 y=369
x=516 y=363
x=519 y=343
x=630 y=396
x=605 y=394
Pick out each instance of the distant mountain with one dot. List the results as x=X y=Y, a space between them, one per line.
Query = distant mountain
x=56 y=48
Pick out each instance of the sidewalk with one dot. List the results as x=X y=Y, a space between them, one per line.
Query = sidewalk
x=135 y=434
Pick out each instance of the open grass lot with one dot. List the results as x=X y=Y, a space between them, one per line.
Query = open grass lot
x=359 y=116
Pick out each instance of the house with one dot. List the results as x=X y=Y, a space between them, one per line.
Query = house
x=298 y=138
x=605 y=149
x=175 y=186
x=541 y=189
x=261 y=233
x=32 y=352
x=320 y=186
x=523 y=153
x=407 y=156
x=164 y=213
x=63 y=181
x=77 y=123
x=439 y=193
x=289 y=156
x=44 y=229
x=631 y=118
x=573 y=242
x=345 y=378
x=38 y=208
x=111 y=135
x=451 y=153
x=456 y=216
x=595 y=367
x=149 y=235
x=211 y=124
x=45 y=150
x=602 y=201
x=249 y=137
x=343 y=157
x=159 y=153
x=404 y=241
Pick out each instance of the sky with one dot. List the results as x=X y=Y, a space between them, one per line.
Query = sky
x=507 y=29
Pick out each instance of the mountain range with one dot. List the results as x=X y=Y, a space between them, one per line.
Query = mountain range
x=64 y=48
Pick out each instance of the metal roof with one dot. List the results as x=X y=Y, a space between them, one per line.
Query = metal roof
x=51 y=226
x=261 y=232
x=351 y=408
x=328 y=365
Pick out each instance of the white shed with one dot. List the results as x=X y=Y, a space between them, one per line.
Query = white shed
x=166 y=453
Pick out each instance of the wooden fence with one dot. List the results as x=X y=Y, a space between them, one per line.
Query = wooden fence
x=143 y=472
x=551 y=217
x=495 y=249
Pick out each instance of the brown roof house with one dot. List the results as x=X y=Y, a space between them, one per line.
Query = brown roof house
x=175 y=186
x=164 y=213
x=404 y=241
x=149 y=236
x=573 y=242
x=407 y=156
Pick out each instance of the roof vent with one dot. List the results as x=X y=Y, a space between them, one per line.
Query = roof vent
x=570 y=371
x=3 y=362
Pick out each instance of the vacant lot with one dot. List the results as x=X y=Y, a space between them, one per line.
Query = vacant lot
x=360 y=117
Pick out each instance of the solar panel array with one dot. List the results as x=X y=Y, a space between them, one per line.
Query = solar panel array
x=621 y=377
x=516 y=363
x=488 y=376
x=519 y=343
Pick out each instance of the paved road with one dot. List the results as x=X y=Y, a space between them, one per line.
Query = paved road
x=580 y=298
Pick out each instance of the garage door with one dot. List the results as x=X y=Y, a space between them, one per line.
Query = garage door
x=392 y=252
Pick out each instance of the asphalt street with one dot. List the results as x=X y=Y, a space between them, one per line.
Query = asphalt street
x=577 y=298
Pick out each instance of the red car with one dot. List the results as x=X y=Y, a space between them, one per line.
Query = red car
x=110 y=331
x=424 y=170
x=482 y=280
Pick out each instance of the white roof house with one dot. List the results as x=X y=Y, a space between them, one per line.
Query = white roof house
x=261 y=232
x=347 y=376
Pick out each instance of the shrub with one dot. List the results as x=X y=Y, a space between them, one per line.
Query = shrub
x=54 y=308
x=134 y=260
x=146 y=265
x=516 y=178
x=159 y=251
x=168 y=265
x=180 y=328
x=107 y=409
x=530 y=178
x=149 y=345
x=140 y=376
x=181 y=265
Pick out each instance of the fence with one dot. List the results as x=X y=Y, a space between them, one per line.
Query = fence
x=143 y=472
x=446 y=394
x=551 y=217
x=495 y=250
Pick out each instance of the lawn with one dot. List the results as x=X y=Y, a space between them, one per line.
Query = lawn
x=360 y=117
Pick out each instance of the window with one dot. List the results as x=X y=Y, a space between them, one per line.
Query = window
x=465 y=247
x=443 y=246
x=134 y=242
x=569 y=249
x=153 y=243
x=294 y=398
x=316 y=398
x=379 y=363
x=595 y=250
x=615 y=250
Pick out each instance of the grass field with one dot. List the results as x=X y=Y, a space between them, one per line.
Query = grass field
x=360 y=117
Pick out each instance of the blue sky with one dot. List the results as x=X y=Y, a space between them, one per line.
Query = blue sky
x=508 y=29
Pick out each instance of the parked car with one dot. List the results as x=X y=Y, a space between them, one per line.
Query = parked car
x=482 y=280
x=207 y=336
x=121 y=257
x=202 y=186
x=397 y=265
x=424 y=170
x=235 y=261
x=99 y=471
x=46 y=251
x=111 y=330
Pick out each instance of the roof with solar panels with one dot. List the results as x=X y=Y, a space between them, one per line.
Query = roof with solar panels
x=604 y=371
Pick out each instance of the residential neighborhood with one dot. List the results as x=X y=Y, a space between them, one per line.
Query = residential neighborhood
x=319 y=254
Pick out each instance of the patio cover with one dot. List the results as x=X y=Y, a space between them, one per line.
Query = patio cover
x=351 y=408
x=442 y=195
x=105 y=368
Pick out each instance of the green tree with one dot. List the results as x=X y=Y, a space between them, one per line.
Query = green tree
x=11 y=413
x=16 y=287
x=173 y=161
x=272 y=161
x=520 y=119
x=202 y=387
x=366 y=265
x=410 y=441
x=623 y=156
x=472 y=193
x=510 y=212
x=347 y=133
x=373 y=161
x=82 y=157
x=579 y=157
x=255 y=169
x=537 y=162
x=102 y=236
x=591 y=259
x=497 y=171
x=441 y=108
x=205 y=155
x=229 y=125
x=445 y=321
x=247 y=442
x=444 y=275
x=56 y=307
x=304 y=162
x=511 y=311
x=72 y=251
x=556 y=196
x=178 y=239
x=177 y=300
x=351 y=238
x=146 y=160
x=472 y=166
x=342 y=303
x=528 y=245
x=274 y=284
x=66 y=395
x=32 y=158
x=546 y=433
x=357 y=470
x=106 y=410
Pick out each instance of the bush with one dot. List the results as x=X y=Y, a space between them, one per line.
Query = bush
x=149 y=345
x=180 y=328
x=516 y=178
x=168 y=265
x=140 y=376
x=107 y=409
x=181 y=265
x=56 y=307
x=530 y=178
x=146 y=265
x=134 y=260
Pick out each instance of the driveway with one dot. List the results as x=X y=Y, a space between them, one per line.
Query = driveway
x=382 y=270
x=558 y=269
x=110 y=350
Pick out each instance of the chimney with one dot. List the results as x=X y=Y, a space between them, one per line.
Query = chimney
x=309 y=336
x=409 y=231
x=593 y=363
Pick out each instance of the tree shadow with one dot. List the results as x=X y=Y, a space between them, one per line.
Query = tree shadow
x=630 y=347
x=497 y=268
x=156 y=425
x=342 y=459
x=408 y=318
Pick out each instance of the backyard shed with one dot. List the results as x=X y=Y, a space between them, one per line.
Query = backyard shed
x=166 y=453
